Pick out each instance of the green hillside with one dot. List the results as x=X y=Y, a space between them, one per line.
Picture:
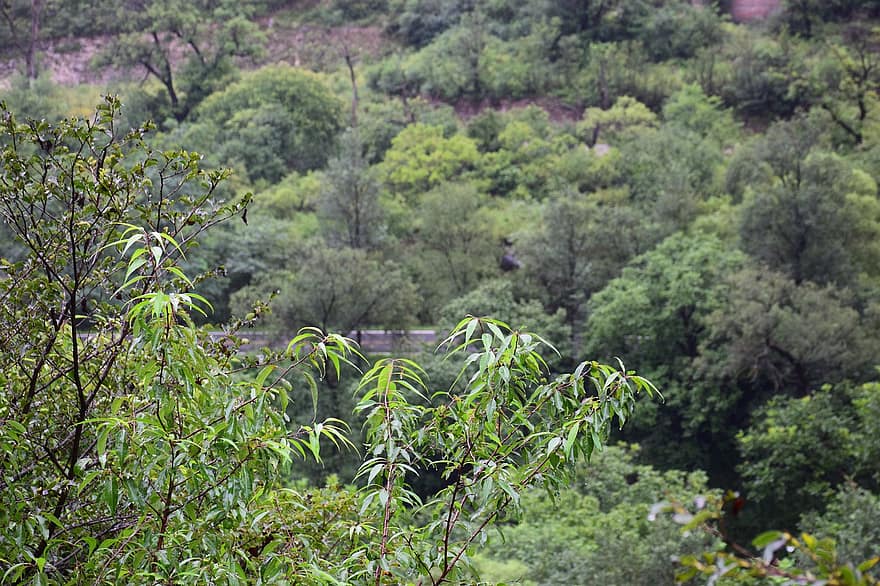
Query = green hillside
x=643 y=181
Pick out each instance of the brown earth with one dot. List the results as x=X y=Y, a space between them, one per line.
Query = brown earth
x=749 y=10
x=555 y=108
x=69 y=61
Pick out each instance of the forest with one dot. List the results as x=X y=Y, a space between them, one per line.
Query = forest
x=645 y=235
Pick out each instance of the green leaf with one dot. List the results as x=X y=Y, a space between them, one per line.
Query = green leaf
x=766 y=538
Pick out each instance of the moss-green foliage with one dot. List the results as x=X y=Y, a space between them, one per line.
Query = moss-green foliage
x=272 y=121
x=600 y=527
x=799 y=453
x=851 y=519
x=421 y=157
x=691 y=195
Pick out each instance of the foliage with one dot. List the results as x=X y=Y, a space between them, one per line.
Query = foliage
x=768 y=562
x=349 y=209
x=726 y=240
x=792 y=221
x=587 y=248
x=785 y=336
x=657 y=314
x=150 y=456
x=416 y=22
x=458 y=248
x=210 y=32
x=421 y=157
x=599 y=527
x=780 y=468
x=625 y=115
x=679 y=29
x=496 y=297
x=160 y=454
x=851 y=519
x=704 y=115
x=493 y=438
x=344 y=289
x=272 y=121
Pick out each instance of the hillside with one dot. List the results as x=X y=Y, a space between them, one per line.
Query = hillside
x=687 y=188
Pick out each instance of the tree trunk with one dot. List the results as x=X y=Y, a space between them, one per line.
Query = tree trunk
x=31 y=54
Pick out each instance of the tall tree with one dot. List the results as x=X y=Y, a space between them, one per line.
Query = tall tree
x=207 y=34
x=23 y=21
x=349 y=207
x=794 y=223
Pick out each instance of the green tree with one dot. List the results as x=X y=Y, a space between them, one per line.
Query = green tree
x=458 y=249
x=575 y=250
x=670 y=172
x=496 y=297
x=421 y=158
x=792 y=219
x=625 y=115
x=704 y=115
x=851 y=519
x=657 y=313
x=349 y=207
x=22 y=29
x=486 y=477
x=343 y=289
x=779 y=335
x=677 y=30
x=210 y=33
x=272 y=121
x=127 y=417
x=417 y=22
x=842 y=81
x=784 y=478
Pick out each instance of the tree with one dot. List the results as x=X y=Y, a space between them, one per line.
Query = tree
x=274 y=120
x=782 y=336
x=781 y=473
x=670 y=172
x=679 y=29
x=792 y=219
x=210 y=33
x=343 y=289
x=657 y=313
x=417 y=22
x=586 y=246
x=843 y=83
x=349 y=207
x=704 y=115
x=143 y=450
x=486 y=477
x=496 y=297
x=625 y=115
x=852 y=520
x=451 y=66
x=23 y=22
x=458 y=247
x=421 y=158
x=128 y=418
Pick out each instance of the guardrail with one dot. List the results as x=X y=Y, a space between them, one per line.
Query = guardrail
x=370 y=341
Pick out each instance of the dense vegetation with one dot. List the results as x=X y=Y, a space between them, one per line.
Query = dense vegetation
x=632 y=179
